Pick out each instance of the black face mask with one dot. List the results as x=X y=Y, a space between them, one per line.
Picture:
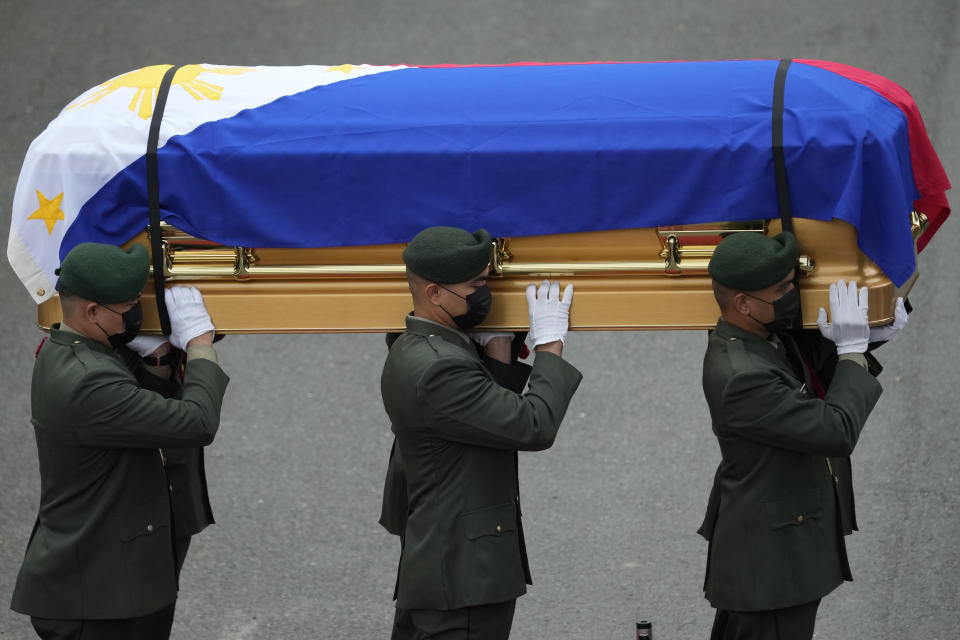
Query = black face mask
x=478 y=306
x=132 y=320
x=785 y=311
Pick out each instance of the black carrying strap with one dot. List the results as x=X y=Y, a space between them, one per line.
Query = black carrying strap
x=780 y=165
x=153 y=197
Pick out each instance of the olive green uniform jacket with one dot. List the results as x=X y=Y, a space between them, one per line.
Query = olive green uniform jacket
x=102 y=543
x=781 y=499
x=185 y=469
x=458 y=432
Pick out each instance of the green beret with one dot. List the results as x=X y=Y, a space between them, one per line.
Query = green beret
x=750 y=261
x=447 y=255
x=104 y=273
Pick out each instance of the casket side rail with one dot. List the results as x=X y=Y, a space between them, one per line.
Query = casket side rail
x=653 y=278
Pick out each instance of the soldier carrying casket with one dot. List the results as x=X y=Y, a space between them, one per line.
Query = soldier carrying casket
x=787 y=409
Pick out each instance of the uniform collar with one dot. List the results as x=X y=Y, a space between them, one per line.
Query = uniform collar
x=61 y=334
x=762 y=346
x=424 y=327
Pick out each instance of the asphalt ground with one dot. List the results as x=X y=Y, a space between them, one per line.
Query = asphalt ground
x=611 y=510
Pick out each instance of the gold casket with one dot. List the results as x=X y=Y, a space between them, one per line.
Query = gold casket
x=627 y=279
x=290 y=206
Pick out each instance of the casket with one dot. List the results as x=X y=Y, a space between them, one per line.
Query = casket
x=287 y=194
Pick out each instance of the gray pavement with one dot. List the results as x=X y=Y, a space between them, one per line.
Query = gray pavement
x=611 y=510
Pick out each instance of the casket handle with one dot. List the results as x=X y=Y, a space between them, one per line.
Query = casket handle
x=918 y=224
x=672 y=266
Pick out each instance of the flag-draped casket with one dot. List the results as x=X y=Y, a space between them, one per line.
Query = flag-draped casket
x=286 y=194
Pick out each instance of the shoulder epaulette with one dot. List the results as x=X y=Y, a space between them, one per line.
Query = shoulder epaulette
x=437 y=343
x=444 y=348
x=83 y=353
x=737 y=352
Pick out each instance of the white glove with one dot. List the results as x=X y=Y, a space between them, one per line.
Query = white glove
x=188 y=315
x=483 y=337
x=900 y=317
x=849 y=329
x=549 y=313
x=146 y=345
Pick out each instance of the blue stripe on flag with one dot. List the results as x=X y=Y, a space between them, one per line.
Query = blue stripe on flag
x=528 y=150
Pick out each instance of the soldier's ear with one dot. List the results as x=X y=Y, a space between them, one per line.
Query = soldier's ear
x=741 y=303
x=432 y=292
x=88 y=310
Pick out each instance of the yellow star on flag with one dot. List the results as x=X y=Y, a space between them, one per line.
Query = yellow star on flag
x=346 y=68
x=49 y=211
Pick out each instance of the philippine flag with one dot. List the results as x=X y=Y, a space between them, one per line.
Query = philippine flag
x=318 y=156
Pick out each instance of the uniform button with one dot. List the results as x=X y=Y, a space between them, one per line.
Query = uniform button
x=800 y=518
x=731 y=339
x=171 y=488
x=150 y=528
x=499 y=529
x=76 y=342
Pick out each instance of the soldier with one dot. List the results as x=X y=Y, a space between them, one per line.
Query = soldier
x=459 y=420
x=787 y=409
x=100 y=561
x=160 y=364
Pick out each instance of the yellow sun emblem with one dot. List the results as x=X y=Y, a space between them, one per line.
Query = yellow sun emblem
x=49 y=211
x=146 y=82
x=346 y=68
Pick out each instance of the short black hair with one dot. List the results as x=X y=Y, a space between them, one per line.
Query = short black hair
x=723 y=295
x=66 y=294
